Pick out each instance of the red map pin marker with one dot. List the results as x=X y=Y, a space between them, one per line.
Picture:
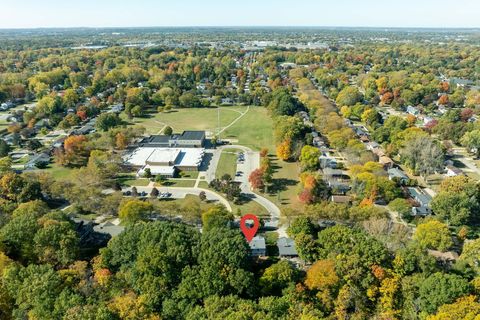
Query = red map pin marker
x=249 y=233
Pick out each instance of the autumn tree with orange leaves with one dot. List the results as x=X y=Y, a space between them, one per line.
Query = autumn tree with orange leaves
x=75 y=152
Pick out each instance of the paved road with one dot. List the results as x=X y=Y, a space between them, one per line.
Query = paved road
x=252 y=162
x=466 y=160
x=180 y=193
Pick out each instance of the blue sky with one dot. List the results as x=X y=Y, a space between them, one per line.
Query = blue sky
x=121 y=13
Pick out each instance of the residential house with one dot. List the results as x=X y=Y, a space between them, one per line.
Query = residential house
x=451 y=171
x=427 y=120
x=397 y=174
x=338 y=187
x=419 y=196
x=109 y=228
x=421 y=211
x=258 y=248
x=37 y=160
x=386 y=162
x=459 y=82
x=341 y=199
x=286 y=248
x=327 y=162
x=333 y=173
x=442 y=109
x=227 y=101
x=372 y=146
x=413 y=110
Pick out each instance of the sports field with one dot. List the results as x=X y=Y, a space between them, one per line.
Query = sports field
x=190 y=119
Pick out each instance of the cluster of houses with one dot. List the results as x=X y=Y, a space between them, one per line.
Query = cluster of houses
x=286 y=247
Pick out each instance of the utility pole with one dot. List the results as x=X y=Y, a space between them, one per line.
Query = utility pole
x=218 y=123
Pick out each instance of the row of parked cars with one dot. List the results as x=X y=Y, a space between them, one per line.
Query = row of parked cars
x=161 y=195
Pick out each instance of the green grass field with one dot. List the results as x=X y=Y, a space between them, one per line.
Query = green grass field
x=254 y=130
x=182 y=183
x=57 y=171
x=190 y=119
x=283 y=191
x=227 y=163
x=142 y=182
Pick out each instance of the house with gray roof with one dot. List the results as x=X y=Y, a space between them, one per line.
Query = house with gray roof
x=286 y=247
x=422 y=198
x=258 y=247
x=397 y=174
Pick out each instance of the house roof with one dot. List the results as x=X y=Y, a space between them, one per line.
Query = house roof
x=420 y=211
x=286 y=247
x=109 y=229
x=455 y=170
x=159 y=138
x=258 y=243
x=332 y=172
x=192 y=135
x=385 y=160
x=341 y=199
x=396 y=173
x=419 y=196
x=449 y=255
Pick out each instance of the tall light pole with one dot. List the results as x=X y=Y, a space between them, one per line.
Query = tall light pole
x=218 y=123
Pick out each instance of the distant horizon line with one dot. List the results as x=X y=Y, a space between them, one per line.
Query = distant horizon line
x=242 y=26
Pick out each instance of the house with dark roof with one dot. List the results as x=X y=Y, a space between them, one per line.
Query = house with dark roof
x=37 y=160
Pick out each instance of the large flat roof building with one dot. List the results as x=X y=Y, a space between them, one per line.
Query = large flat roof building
x=165 y=161
x=187 y=139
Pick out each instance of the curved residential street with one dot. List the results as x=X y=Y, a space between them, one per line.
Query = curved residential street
x=252 y=162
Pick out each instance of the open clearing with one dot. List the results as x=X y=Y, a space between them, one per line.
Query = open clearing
x=191 y=119
x=227 y=163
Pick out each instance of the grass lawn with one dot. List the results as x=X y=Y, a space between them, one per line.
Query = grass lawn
x=189 y=174
x=283 y=191
x=254 y=130
x=227 y=163
x=190 y=119
x=203 y=184
x=177 y=183
x=249 y=206
x=57 y=171
x=189 y=198
x=142 y=182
